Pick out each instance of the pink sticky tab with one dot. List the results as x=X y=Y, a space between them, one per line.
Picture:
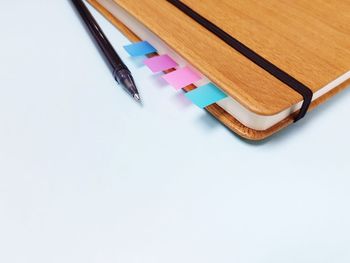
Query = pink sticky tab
x=181 y=78
x=160 y=63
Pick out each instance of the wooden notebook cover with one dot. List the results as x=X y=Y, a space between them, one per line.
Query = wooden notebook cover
x=315 y=63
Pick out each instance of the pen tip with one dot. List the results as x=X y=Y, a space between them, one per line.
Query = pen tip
x=137 y=97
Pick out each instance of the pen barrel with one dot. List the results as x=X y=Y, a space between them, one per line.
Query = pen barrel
x=120 y=72
x=111 y=55
x=124 y=77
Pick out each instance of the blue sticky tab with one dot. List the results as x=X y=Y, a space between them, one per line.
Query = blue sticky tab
x=206 y=95
x=140 y=49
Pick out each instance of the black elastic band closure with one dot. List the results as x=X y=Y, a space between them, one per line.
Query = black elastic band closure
x=251 y=55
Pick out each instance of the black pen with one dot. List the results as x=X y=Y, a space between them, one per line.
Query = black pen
x=120 y=72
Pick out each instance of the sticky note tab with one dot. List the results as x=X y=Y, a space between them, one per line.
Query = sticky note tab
x=181 y=78
x=206 y=95
x=160 y=63
x=140 y=49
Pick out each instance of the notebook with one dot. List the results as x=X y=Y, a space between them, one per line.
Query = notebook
x=302 y=46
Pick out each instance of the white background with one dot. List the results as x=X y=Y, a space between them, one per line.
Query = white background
x=87 y=175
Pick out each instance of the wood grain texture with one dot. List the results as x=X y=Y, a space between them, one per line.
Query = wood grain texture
x=291 y=34
x=227 y=119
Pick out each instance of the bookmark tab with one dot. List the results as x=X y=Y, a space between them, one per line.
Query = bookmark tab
x=206 y=95
x=181 y=78
x=140 y=49
x=160 y=63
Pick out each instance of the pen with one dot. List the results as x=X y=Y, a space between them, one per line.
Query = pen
x=120 y=71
